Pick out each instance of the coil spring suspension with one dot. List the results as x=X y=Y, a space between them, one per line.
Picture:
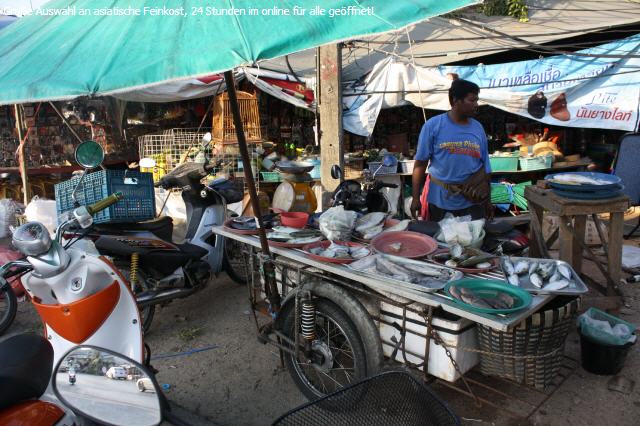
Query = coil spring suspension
x=133 y=271
x=308 y=320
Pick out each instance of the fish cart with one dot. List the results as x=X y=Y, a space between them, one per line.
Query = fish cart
x=337 y=325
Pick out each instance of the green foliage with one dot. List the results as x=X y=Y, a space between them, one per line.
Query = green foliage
x=515 y=8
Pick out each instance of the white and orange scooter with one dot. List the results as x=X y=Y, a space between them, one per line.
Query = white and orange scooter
x=80 y=296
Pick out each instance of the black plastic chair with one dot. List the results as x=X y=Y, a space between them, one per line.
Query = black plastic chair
x=625 y=166
x=387 y=399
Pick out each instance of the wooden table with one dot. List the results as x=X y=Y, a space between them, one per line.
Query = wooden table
x=573 y=218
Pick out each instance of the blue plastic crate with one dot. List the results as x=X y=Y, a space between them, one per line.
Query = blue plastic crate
x=138 y=204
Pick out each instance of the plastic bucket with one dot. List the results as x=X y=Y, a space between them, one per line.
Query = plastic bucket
x=598 y=358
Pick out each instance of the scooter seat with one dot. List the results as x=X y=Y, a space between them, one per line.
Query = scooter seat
x=162 y=227
x=26 y=361
x=168 y=261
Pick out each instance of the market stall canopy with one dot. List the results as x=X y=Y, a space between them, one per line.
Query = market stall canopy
x=105 y=47
x=592 y=88
x=443 y=40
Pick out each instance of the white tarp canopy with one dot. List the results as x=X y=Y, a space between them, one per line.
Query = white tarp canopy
x=593 y=88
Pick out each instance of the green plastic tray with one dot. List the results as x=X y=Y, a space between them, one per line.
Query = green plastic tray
x=489 y=288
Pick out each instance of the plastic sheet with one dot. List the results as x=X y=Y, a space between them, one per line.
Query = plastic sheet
x=606 y=329
x=337 y=223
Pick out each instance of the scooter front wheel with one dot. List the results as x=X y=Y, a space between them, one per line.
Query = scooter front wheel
x=8 y=307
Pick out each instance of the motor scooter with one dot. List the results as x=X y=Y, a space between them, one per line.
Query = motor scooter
x=158 y=269
x=72 y=377
x=365 y=197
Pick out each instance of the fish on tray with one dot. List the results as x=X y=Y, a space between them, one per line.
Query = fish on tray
x=499 y=300
x=459 y=257
x=403 y=270
x=338 y=251
x=547 y=275
x=577 y=179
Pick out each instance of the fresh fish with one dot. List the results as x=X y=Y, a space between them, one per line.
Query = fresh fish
x=400 y=226
x=508 y=300
x=536 y=280
x=546 y=270
x=372 y=232
x=533 y=267
x=367 y=262
x=508 y=266
x=451 y=263
x=395 y=247
x=513 y=279
x=359 y=252
x=484 y=265
x=430 y=283
x=521 y=267
x=471 y=298
x=456 y=251
x=442 y=257
x=369 y=221
x=564 y=271
x=557 y=285
x=388 y=267
x=576 y=179
x=455 y=292
x=307 y=240
x=557 y=276
x=423 y=269
x=474 y=260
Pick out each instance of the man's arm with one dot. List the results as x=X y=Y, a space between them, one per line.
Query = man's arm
x=417 y=182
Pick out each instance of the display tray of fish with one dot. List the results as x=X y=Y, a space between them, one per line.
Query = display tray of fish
x=487 y=296
x=414 y=274
x=542 y=276
x=468 y=260
x=283 y=236
x=583 y=181
x=336 y=251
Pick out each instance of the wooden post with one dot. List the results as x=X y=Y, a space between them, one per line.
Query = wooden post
x=21 y=156
x=616 y=231
x=330 y=102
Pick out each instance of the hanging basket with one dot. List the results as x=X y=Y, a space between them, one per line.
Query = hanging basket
x=223 y=128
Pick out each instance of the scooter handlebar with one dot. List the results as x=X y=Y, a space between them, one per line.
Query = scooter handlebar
x=104 y=203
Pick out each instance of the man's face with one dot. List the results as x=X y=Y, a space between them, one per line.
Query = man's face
x=468 y=106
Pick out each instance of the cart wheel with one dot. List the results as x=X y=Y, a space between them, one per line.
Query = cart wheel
x=146 y=313
x=233 y=261
x=8 y=307
x=344 y=360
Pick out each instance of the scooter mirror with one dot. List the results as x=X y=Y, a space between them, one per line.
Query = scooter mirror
x=389 y=160
x=147 y=163
x=206 y=139
x=336 y=172
x=107 y=387
x=89 y=154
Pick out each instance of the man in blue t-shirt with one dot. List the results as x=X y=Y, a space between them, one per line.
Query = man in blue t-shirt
x=454 y=147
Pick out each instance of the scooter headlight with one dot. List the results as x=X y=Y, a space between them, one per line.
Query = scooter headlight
x=32 y=239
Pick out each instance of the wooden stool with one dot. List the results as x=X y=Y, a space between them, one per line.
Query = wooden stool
x=573 y=218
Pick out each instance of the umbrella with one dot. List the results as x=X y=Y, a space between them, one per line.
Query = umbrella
x=75 y=48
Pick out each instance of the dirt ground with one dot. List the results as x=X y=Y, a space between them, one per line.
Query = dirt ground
x=236 y=380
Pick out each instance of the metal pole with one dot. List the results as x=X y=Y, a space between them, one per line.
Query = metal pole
x=21 y=157
x=271 y=288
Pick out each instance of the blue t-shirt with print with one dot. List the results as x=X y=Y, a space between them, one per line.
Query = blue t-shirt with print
x=455 y=152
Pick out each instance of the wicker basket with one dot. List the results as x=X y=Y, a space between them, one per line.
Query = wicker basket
x=224 y=131
x=532 y=353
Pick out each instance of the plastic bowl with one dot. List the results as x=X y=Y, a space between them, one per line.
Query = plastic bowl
x=294 y=219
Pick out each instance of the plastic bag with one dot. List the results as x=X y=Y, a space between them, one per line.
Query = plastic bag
x=606 y=329
x=43 y=211
x=7 y=216
x=337 y=223
x=461 y=230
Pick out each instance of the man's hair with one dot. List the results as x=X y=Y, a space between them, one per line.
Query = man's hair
x=460 y=89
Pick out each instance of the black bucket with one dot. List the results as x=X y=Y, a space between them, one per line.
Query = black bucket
x=598 y=358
